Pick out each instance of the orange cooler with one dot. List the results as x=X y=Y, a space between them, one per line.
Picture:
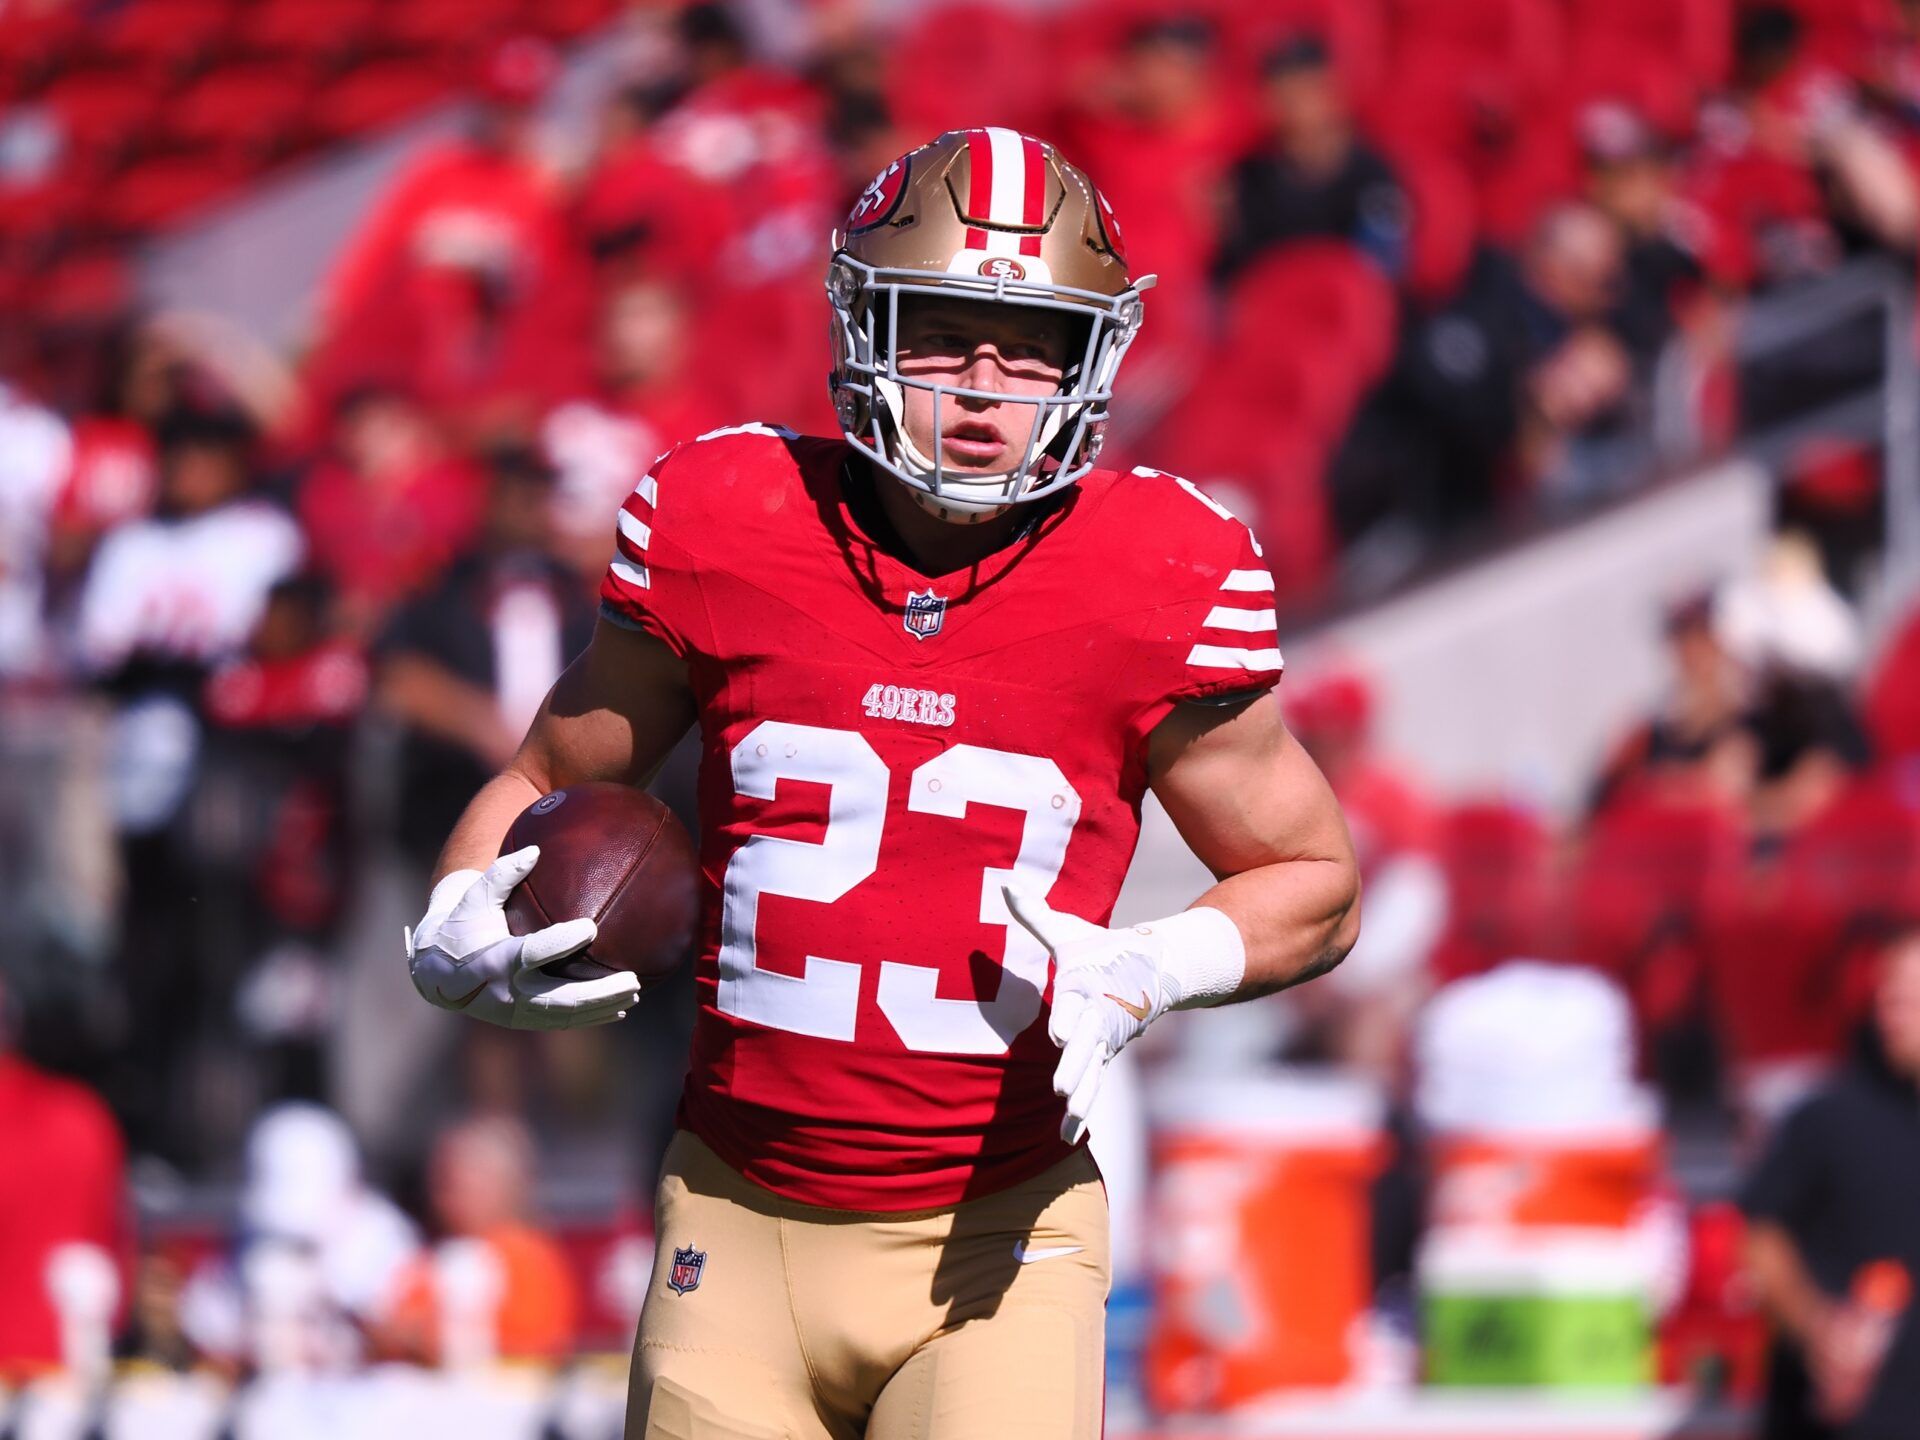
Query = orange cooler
x=1259 y=1234
x=1600 y=1178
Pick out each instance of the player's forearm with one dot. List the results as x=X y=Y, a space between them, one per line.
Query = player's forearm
x=476 y=837
x=1296 y=918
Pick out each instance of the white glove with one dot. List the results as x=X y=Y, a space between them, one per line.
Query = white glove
x=1109 y=985
x=462 y=957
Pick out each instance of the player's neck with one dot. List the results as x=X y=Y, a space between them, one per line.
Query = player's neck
x=936 y=546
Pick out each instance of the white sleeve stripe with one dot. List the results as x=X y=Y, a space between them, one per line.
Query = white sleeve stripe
x=648 y=489
x=1221 y=657
x=1252 y=622
x=1247 y=580
x=634 y=575
x=635 y=530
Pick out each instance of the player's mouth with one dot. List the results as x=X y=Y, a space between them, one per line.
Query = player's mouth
x=973 y=442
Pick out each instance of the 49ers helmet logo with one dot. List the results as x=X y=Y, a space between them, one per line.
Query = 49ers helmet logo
x=1000 y=267
x=881 y=198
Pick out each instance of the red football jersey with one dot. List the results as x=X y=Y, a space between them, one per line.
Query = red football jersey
x=884 y=750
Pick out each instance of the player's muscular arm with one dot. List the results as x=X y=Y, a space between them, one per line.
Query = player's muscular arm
x=614 y=714
x=1254 y=807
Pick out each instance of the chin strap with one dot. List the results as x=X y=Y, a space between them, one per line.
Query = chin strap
x=940 y=510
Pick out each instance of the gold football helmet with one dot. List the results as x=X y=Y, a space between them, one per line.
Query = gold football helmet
x=999 y=216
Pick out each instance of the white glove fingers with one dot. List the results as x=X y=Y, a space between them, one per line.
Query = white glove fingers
x=1078 y=1053
x=622 y=986
x=506 y=872
x=1068 y=1006
x=578 y=1016
x=1080 y=1101
x=556 y=942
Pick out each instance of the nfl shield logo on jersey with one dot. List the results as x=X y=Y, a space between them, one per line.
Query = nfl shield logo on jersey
x=925 y=611
x=687 y=1265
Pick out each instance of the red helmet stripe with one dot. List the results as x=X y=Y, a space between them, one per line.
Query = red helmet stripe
x=980 y=188
x=1035 y=209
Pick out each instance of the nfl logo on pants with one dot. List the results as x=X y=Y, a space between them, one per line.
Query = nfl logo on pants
x=925 y=611
x=687 y=1265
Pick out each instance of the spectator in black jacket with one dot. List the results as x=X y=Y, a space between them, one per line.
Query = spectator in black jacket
x=1312 y=177
x=1835 y=1241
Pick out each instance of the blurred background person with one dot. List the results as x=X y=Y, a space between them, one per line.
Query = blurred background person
x=387 y=507
x=317 y=1258
x=643 y=399
x=1159 y=127
x=1312 y=175
x=167 y=598
x=460 y=282
x=525 y=1306
x=62 y=1182
x=1835 y=1205
x=459 y=672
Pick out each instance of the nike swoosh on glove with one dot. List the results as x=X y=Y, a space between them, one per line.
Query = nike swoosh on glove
x=1110 y=984
x=462 y=957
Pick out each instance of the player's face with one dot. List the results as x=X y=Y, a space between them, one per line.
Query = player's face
x=1010 y=350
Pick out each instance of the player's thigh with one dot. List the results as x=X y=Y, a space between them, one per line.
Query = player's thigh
x=1023 y=1282
x=717 y=1356
x=1032 y=1370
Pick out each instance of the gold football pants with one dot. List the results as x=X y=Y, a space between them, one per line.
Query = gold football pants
x=781 y=1321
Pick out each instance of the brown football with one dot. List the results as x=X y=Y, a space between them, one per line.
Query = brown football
x=618 y=856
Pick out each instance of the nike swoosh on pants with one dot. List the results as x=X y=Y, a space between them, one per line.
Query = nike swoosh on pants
x=1027 y=1254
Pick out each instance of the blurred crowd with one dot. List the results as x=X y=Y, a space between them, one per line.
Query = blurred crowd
x=1419 y=263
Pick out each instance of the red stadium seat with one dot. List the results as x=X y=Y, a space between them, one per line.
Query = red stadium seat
x=161 y=191
x=1320 y=302
x=565 y=19
x=1538 y=164
x=1640 y=889
x=376 y=94
x=250 y=106
x=442 y=26
x=1858 y=860
x=36 y=42
x=1692 y=37
x=970 y=64
x=1789 y=947
x=99 y=108
x=1271 y=474
x=1893 y=695
x=1500 y=886
x=316 y=31
x=1445 y=227
x=1511 y=48
x=1848 y=34
x=86 y=290
x=166 y=34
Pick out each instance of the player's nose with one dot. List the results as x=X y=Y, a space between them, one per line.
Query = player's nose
x=984 y=370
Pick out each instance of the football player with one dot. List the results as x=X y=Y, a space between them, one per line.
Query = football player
x=936 y=661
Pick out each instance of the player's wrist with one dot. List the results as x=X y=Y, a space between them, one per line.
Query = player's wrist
x=1201 y=955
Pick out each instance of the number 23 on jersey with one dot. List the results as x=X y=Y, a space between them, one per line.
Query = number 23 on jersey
x=824 y=1000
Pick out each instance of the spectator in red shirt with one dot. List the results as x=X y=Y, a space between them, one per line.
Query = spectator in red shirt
x=465 y=265
x=1159 y=135
x=61 y=1183
x=389 y=507
x=1791 y=176
x=644 y=402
